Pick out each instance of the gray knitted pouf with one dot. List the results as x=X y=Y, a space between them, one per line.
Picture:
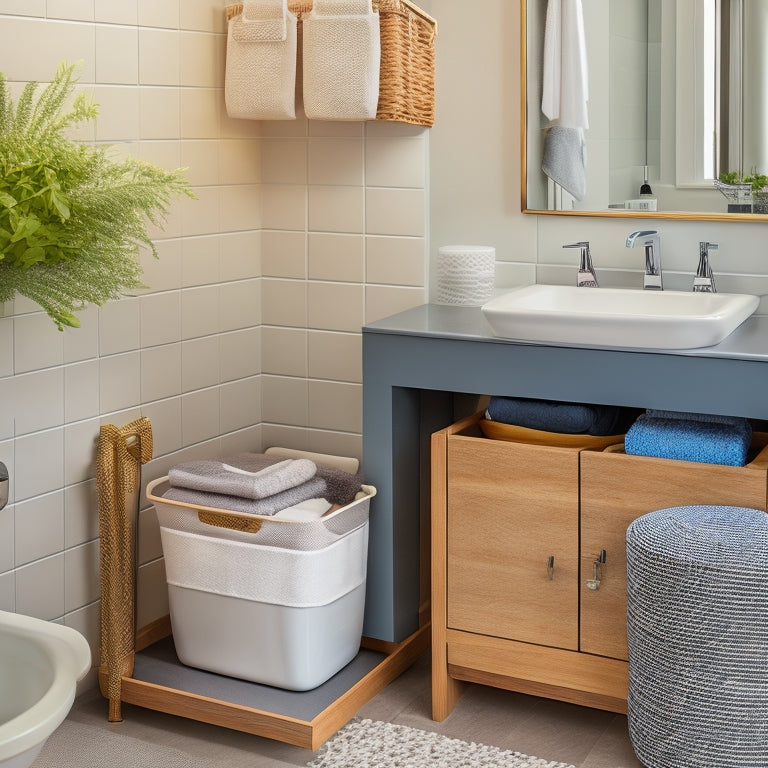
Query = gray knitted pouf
x=697 y=629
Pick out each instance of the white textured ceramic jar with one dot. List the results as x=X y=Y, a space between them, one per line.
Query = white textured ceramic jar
x=465 y=274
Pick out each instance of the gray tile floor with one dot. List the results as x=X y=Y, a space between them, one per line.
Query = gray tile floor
x=587 y=738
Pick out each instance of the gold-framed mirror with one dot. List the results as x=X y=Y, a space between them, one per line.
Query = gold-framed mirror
x=674 y=97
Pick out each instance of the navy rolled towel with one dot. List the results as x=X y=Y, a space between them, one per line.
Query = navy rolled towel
x=685 y=439
x=565 y=418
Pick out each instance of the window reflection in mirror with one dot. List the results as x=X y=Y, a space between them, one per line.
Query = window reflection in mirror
x=675 y=92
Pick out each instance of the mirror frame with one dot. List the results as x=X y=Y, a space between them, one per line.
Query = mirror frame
x=610 y=214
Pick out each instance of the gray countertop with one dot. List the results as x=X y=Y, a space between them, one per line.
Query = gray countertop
x=748 y=342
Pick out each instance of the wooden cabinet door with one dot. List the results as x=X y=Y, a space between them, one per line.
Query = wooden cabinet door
x=616 y=489
x=511 y=507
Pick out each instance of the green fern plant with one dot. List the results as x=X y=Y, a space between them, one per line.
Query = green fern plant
x=73 y=217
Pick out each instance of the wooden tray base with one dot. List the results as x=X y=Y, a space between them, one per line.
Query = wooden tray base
x=306 y=719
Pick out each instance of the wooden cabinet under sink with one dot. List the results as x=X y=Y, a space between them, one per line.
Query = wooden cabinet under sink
x=518 y=601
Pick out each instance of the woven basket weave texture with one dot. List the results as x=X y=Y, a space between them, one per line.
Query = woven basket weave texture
x=407 y=74
x=697 y=630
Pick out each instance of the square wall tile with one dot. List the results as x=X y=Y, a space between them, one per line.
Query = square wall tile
x=164 y=272
x=240 y=207
x=6 y=345
x=335 y=356
x=381 y=301
x=83 y=343
x=159 y=13
x=338 y=443
x=395 y=162
x=165 y=416
x=40 y=588
x=201 y=159
x=7 y=416
x=284 y=161
x=115 y=12
x=284 y=302
x=395 y=260
x=118 y=118
x=37 y=343
x=81 y=391
x=335 y=405
x=117 y=55
x=119 y=326
x=240 y=304
x=200 y=416
x=199 y=363
x=199 y=311
x=159 y=57
x=203 y=215
x=336 y=257
x=240 y=255
x=39 y=527
x=8 y=591
x=395 y=212
x=81 y=514
x=284 y=254
x=160 y=372
x=150 y=545
x=240 y=353
x=39 y=400
x=200 y=260
x=7 y=540
x=240 y=404
x=39 y=464
x=284 y=400
x=203 y=15
x=82 y=584
x=200 y=109
x=160 y=318
x=336 y=161
x=160 y=113
x=240 y=161
x=283 y=206
x=284 y=351
x=74 y=10
x=120 y=382
x=80 y=443
x=335 y=307
x=23 y=7
x=199 y=60
x=336 y=209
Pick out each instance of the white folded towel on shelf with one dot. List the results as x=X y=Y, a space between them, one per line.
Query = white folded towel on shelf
x=342 y=57
x=260 y=79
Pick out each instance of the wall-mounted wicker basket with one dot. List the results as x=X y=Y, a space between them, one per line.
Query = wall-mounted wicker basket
x=407 y=75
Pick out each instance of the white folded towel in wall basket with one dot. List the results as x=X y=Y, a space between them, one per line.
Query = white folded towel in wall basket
x=260 y=82
x=341 y=60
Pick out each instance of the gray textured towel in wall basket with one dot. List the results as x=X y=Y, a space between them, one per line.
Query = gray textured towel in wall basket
x=697 y=629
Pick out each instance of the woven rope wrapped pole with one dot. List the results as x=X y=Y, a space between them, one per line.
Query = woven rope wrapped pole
x=117 y=474
x=697 y=629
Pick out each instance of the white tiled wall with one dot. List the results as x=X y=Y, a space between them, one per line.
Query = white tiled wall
x=249 y=332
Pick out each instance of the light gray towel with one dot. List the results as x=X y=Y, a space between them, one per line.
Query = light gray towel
x=312 y=489
x=564 y=159
x=260 y=479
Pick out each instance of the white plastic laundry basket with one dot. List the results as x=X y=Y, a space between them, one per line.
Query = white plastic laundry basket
x=280 y=605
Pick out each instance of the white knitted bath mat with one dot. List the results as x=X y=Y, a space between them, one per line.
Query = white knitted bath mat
x=370 y=743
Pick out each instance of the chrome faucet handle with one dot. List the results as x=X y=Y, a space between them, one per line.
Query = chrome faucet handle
x=704 y=281
x=649 y=238
x=585 y=277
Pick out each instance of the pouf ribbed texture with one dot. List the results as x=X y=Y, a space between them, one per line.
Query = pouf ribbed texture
x=697 y=630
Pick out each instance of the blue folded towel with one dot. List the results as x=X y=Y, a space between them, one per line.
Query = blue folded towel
x=688 y=439
x=565 y=418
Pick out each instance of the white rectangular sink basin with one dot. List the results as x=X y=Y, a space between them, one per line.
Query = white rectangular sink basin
x=617 y=317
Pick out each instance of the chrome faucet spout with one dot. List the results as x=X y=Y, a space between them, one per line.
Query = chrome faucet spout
x=649 y=238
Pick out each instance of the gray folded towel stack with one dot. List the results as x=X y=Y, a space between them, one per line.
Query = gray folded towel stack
x=259 y=484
